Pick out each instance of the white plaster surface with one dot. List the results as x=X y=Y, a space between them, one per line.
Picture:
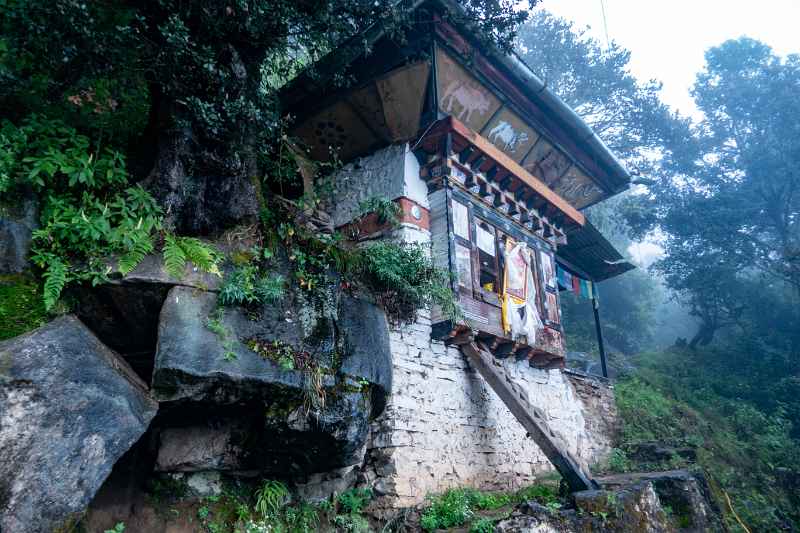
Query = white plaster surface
x=389 y=173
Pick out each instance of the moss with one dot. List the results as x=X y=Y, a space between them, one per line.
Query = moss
x=21 y=307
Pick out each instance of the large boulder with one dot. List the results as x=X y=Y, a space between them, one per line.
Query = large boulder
x=203 y=354
x=274 y=390
x=633 y=509
x=365 y=346
x=69 y=408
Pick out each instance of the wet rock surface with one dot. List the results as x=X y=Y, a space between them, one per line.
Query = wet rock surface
x=19 y=217
x=69 y=409
x=289 y=394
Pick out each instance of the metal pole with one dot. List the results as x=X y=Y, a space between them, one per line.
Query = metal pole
x=595 y=308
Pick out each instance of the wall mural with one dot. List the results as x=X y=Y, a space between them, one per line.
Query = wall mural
x=463 y=96
x=511 y=134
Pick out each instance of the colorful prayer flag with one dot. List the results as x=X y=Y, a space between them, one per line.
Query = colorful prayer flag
x=564 y=278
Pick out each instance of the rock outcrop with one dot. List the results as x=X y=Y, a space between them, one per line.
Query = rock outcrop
x=657 y=502
x=69 y=409
x=287 y=393
x=18 y=220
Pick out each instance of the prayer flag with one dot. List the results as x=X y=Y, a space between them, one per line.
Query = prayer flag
x=564 y=278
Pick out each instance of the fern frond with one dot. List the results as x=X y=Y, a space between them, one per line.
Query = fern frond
x=174 y=256
x=200 y=254
x=54 y=280
x=143 y=245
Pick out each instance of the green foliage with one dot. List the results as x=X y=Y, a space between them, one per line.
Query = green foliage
x=354 y=500
x=88 y=211
x=618 y=461
x=738 y=446
x=386 y=211
x=482 y=525
x=403 y=279
x=215 y=324
x=400 y=276
x=118 y=528
x=246 y=285
x=271 y=497
x=178 y=250
x=455 y=507
x=543 y=494
x=21 y=306
x=280 y=352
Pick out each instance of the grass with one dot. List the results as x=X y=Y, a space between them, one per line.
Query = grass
x=467 y=506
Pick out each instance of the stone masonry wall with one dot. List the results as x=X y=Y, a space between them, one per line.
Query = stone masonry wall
x=600 y=413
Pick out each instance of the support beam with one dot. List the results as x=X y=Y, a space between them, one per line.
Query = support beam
x=599 y=330
x=530 y=418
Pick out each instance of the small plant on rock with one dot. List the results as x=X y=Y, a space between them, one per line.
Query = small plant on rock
x=271 y=497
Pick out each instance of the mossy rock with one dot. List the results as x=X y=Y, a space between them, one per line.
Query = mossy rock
x=21 y=305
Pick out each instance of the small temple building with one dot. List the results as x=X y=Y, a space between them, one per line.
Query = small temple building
x=493 y=171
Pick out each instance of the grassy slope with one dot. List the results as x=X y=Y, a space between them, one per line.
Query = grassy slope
x=739 y=447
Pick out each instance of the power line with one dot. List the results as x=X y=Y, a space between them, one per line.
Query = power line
x=605 y=22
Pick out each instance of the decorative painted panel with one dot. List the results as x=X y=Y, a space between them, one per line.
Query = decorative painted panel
x=578 y=189
x=339 y=129
x=510 y=134
x=463 y=96
x=546 y=162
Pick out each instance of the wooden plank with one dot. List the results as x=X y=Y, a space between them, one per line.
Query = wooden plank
x=529 y=417
x=402 y=93
x=513 y=167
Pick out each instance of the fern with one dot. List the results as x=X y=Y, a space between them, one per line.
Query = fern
x=200 y=254
x=142 y=245
x=174 y=256
x=178 y=250
x=270 y=289
x=54 y=280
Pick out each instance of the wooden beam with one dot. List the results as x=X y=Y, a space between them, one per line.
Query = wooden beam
x=513 y=167
x=531 y=418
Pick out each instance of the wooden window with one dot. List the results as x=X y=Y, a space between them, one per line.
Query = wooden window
x=479 y=265
x=488 y=257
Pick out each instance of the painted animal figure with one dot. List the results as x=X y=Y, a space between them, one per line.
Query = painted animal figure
x=506 y=134
x=469 y=99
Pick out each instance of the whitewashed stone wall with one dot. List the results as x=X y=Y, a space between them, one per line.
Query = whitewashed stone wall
x=443 y=426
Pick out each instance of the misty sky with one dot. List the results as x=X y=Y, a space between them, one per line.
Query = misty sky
x=667 y=39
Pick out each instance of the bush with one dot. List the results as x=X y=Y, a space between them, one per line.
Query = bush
x=403 y=279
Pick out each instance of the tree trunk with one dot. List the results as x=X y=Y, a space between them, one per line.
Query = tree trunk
x=704 y=336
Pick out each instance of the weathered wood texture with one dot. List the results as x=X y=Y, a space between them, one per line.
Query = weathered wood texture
x=531 y=419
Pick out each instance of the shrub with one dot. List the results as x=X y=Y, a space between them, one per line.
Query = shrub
x=354 y=500
x=450 y=509
x=483 y=525
x=403 y=279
